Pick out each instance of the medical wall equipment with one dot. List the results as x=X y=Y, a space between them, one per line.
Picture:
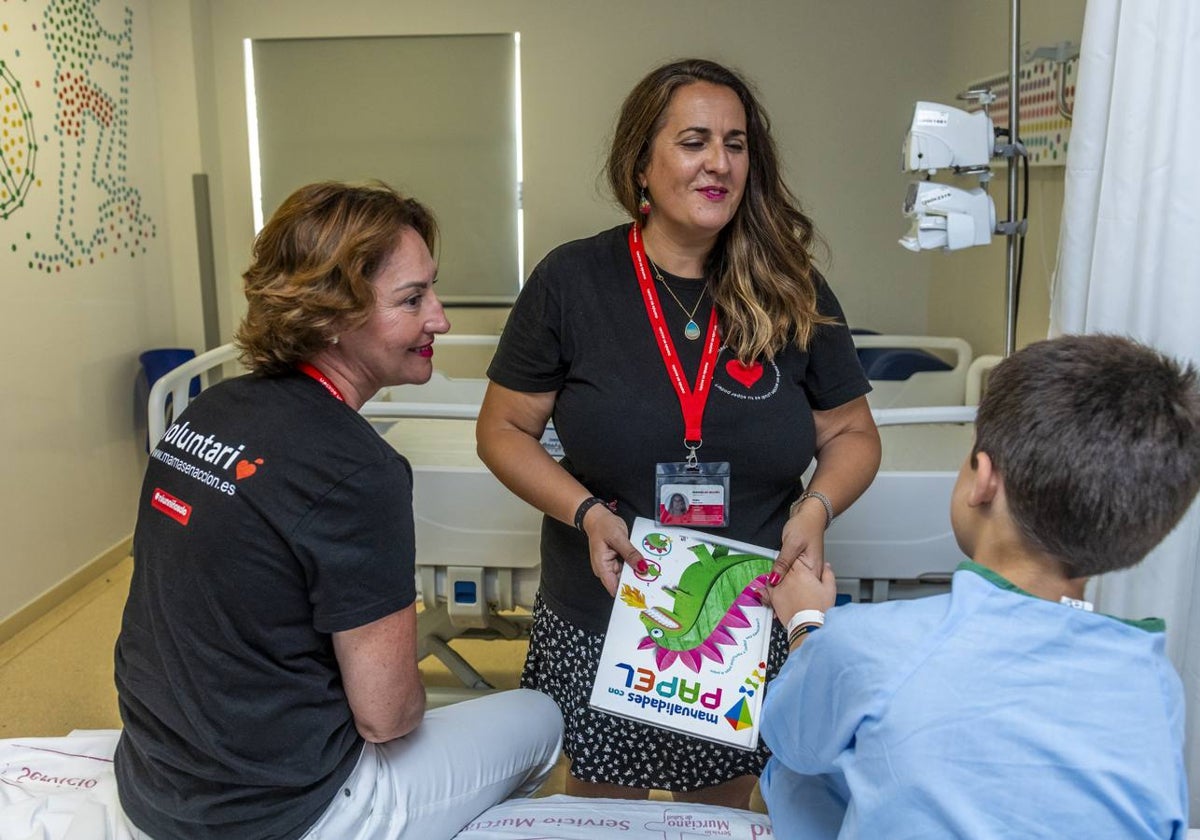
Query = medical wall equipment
x=1048 y=80
x=947 y=217
x=942 y=137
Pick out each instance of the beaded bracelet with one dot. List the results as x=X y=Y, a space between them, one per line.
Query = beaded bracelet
x=584 y=506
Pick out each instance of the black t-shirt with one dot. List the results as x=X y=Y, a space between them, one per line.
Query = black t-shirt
x=579 y=328
x=272 y=515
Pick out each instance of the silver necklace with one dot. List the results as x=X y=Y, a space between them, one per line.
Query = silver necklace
x=691 y=330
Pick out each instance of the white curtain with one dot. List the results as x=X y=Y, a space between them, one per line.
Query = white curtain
x=1129 y=260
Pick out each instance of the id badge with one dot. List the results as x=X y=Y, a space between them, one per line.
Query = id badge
x=692 y=493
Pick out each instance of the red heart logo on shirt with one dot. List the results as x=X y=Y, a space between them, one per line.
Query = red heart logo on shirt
x=245 y=469
x=745 y=374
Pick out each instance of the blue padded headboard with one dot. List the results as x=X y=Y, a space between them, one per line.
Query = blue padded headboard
x=895 y=363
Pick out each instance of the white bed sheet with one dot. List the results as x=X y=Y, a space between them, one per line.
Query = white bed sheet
x=61 y=788
x=64 y=789
x=432 y=442
x=563 y=817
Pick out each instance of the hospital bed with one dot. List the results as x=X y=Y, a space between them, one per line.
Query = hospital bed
x=478 y=574
x=477 y=578
x=912 y=370
x=64 y=788
x=895 y=541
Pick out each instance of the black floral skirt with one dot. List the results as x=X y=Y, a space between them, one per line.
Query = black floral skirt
x=562 y=663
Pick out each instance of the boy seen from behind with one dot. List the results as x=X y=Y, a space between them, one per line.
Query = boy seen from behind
x=1007 y=708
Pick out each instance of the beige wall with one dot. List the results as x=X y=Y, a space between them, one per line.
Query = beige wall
x=73 y=461
x=178 y=129
x=967 y=295
x=838 y=78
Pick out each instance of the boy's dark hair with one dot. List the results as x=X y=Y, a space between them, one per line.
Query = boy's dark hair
x=1097 y=439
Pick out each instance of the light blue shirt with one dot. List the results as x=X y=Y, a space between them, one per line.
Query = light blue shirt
x=978 y=714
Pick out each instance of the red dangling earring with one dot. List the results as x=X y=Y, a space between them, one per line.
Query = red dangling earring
x=643 y=202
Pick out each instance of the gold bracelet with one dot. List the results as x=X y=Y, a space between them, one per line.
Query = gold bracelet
x=821 y=497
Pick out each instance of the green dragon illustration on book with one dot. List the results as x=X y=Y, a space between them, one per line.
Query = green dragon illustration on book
x=708 y=603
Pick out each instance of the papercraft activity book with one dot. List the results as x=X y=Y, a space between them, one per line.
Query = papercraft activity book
x=687 y=640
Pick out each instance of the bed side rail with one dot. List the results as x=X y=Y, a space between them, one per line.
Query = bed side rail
x=174 y=384
x=924 y=386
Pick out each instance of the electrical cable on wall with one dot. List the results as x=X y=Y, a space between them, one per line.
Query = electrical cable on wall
x=1022 y=224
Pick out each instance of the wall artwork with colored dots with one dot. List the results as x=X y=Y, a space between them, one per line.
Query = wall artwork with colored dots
x=1047 y=99
x=68 y=195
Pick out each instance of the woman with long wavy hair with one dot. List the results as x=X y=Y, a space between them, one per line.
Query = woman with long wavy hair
x=713 y=274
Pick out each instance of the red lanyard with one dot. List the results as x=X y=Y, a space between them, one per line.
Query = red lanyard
x=309 y=370
x=691 y=400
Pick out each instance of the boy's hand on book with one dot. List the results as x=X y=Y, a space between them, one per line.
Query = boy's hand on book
x=802 y=589
x=609 y=546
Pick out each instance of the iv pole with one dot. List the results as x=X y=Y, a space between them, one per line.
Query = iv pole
x=1010 y=227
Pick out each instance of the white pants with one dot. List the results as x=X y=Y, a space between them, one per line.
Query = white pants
x=460 y=761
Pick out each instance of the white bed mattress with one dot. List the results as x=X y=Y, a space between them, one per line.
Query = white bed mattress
x=573 y=818
x=60 y=788
x=433 y=443
x=899 y=530
x=64 y=789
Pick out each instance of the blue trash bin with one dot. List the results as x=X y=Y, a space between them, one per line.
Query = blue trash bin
x=157 y=363
x=161 y=361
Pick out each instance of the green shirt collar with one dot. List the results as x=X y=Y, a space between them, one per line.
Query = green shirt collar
x=1150 y=625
